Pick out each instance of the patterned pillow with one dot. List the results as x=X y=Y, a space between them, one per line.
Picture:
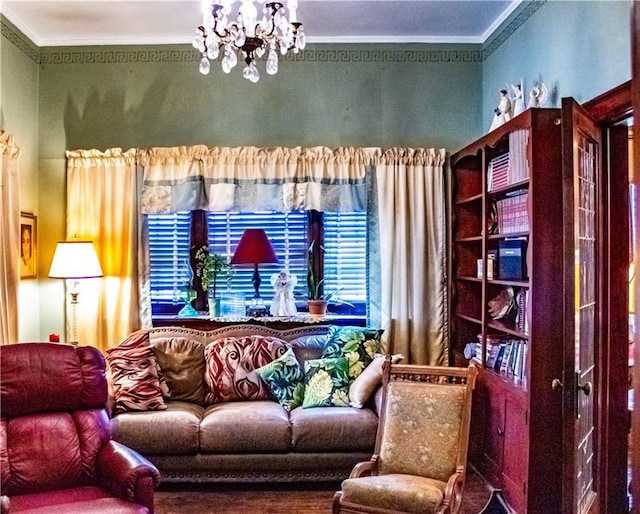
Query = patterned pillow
x=326 y=383
x=357 y=344
x=285 y=379
x=231 y=365
x=136 y=375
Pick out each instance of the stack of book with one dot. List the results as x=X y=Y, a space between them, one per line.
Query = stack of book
x=513 y=214
x=498 y=173
x=518 y=163
x=504 y=355
x=510 y=167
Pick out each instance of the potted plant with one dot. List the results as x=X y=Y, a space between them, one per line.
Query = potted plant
x=317 y=299
x=209 y=267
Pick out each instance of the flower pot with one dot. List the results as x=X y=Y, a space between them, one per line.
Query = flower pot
x=214 y=307
x=317 y=307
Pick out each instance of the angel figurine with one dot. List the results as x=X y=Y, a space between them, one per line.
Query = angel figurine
x=283 y=303
x=516 y=99
x=538 y=95
x=503 y=111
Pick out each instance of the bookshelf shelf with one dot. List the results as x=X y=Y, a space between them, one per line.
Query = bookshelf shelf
x=506 y=221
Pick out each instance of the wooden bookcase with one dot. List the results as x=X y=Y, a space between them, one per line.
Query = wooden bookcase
x=516 y=439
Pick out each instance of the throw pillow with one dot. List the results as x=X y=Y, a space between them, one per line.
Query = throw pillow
x=182 y=362
x=326 y=383
x=368 y=381
x=357 y=344
x=285 y=380
x=231 y=365
x=135 y=375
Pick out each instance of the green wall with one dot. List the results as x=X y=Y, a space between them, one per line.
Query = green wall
x=364 y=95
x=577 y=48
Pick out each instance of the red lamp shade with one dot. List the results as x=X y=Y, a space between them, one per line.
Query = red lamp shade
x=254 y=248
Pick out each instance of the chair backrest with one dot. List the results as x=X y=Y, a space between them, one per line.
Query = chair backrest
x=424 y=425
x=53 y=421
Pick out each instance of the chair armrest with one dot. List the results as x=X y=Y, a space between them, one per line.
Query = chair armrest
x=127 y=474
x=366 y=468
x=453 y=492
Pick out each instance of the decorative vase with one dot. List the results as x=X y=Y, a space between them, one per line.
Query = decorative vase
x=214 y=307
x=317 y=307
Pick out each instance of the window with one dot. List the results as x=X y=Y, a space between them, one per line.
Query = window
x=343 y=237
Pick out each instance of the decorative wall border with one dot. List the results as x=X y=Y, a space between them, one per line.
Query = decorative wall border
x=496 y=40
x=22 y=42
x=339 y=55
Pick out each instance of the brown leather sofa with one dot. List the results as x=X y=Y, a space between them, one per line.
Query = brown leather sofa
x=243 y=441
x=55 y=449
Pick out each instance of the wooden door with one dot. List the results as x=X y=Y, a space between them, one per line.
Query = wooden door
x=581 y=183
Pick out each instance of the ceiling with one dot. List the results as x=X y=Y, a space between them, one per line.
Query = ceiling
x=127 y=22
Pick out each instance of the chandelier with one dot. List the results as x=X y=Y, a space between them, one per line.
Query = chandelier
x=246 y=36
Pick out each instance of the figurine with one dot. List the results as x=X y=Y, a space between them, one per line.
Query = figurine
x=283 y=303
x=503 y=111
x=538 y=95
x=516 y=100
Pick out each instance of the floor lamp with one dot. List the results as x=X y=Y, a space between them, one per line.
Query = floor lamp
x=73 y=261
x=255 y=248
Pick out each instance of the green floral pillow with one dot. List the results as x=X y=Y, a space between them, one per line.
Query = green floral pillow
x=359 y=345
x=285 y=379
x=327 y=383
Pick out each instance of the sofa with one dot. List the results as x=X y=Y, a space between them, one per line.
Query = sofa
x=214 y=409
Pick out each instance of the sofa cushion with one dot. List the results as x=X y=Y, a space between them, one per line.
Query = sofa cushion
x=333 y=429
x=173 y=431
x=245 y=427
x=326 y=383
x=231 y=365
x=182 y=362
x=137 y=382
x=357 y=344
x=285 y=380
x=308 y=347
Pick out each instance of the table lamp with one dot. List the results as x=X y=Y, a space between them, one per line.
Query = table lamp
x=255 y=248
x=72 y=261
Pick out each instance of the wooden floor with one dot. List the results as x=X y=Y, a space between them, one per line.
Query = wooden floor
x=275 y=498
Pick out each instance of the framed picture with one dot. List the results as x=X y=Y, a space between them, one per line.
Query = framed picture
x=28 y=245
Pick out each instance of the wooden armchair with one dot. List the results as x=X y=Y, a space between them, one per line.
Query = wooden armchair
x=420 y=458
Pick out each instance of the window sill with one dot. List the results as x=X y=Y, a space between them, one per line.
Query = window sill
x=204 y=323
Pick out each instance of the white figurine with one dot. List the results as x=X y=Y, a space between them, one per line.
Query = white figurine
x=516 y=100
x=283 y=303
x=538 y=95
x=503 y=111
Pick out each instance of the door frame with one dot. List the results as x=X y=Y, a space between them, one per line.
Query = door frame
x=612 y=417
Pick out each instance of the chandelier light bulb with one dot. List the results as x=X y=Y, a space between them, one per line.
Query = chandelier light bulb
x=247 y=36
x=204 y=66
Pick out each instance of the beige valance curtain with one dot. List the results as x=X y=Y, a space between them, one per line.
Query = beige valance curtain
x=10 y=237
x=254 y=179
x=102 y=207
x=412 y=252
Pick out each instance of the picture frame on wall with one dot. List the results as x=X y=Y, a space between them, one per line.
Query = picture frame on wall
x=28 y=245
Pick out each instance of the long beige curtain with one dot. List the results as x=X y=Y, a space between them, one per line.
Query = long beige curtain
x=412 y=242
x=102 y=207
x=10 y=239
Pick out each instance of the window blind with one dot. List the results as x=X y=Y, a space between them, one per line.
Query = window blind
x=345 y=255
x=287 y=232
x=168 y=255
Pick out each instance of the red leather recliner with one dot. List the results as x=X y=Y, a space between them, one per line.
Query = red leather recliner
x=56 y=452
